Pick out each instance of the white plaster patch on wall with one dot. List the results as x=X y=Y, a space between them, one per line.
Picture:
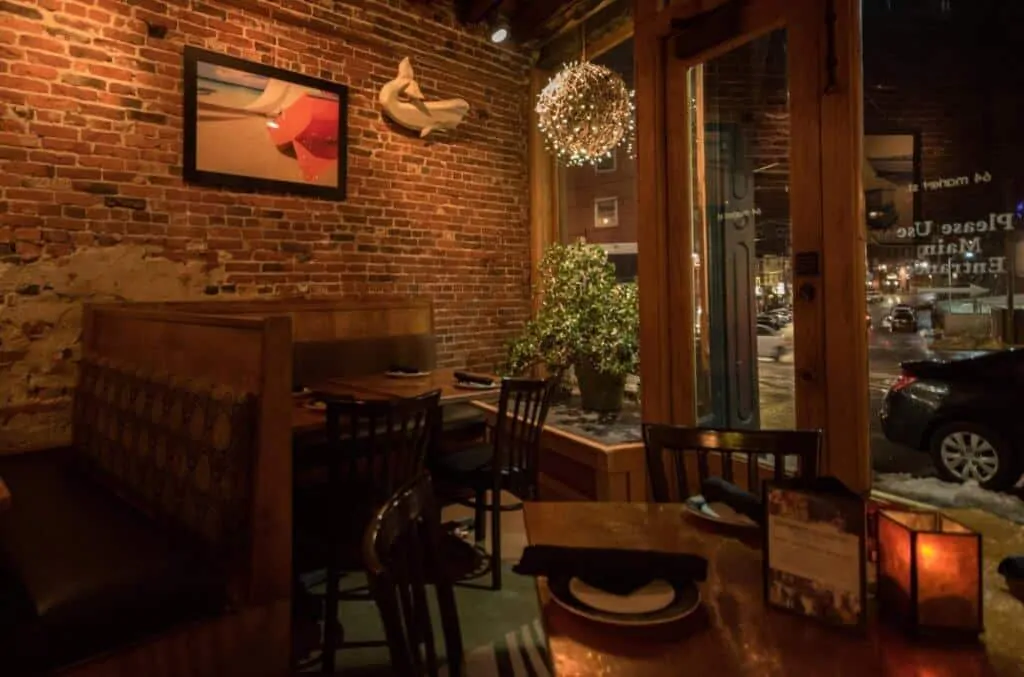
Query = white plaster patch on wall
x=41 y=324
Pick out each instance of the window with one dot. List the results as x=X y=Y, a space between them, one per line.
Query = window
x=608 y=164
x=606 y=212
x=587 y=195
x=943 y=229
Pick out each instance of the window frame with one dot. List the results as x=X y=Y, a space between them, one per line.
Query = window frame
x=614 y=200
x=614 y=157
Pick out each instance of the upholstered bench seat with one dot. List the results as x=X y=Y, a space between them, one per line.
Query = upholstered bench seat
x=84 y=571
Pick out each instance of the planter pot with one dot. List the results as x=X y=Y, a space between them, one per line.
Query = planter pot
x=599 y=392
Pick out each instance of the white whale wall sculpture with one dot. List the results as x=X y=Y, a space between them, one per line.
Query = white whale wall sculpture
x=402 y=101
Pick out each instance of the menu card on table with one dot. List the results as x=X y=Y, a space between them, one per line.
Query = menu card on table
x=814 y=562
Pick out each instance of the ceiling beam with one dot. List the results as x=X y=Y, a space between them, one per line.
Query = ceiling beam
x=474 y=11
x=541 y=21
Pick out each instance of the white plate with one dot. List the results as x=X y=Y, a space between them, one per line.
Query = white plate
x=719 y=513
x=685 y=600
x=316 y=406
x=462 y=385
x=403 y=374
x=301 y=393
x=654 y=596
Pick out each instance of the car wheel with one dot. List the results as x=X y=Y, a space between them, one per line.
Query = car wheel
x=968 y=451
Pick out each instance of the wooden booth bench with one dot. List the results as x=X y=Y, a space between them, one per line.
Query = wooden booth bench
x=345 y=337
x=160 y=542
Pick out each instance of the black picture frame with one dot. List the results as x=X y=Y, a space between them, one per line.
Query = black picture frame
x=193 y=57
x=852 y=508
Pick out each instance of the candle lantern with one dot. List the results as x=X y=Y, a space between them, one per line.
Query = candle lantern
x=929 y=573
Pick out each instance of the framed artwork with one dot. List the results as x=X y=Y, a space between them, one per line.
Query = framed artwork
x=815 y=557
x=892 y=170
x=254 y=127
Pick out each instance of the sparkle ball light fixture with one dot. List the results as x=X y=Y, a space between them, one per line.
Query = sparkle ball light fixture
x=585 y=112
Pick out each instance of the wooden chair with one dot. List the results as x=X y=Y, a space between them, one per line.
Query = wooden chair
x=667 y=448
x=515 y=443
x=401 y=553
x=373 y=447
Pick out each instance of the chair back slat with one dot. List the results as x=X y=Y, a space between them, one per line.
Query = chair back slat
x=401 y=553
x=378 y=446
x=668 y=447
x=522 y=410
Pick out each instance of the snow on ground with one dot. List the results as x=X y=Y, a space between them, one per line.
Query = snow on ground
x=933 y=491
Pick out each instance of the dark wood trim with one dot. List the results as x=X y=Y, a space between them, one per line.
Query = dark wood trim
x=847 y=452
x=544 y=189
x=652 y=248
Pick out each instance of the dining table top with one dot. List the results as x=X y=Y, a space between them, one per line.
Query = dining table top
x=733 y=633
x=382 y=386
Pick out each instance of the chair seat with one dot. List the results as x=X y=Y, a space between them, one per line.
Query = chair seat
x=461 y=417
x=470 y=461
x=311 y=537
x=91 y=571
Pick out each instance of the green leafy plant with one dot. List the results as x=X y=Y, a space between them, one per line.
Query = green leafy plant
x=585 y=315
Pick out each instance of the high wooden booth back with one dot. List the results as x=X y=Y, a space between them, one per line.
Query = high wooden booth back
x=341 y=336
x=226 y=353
x=243 y=354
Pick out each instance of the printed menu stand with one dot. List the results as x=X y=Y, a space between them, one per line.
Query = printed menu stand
x=814 y=555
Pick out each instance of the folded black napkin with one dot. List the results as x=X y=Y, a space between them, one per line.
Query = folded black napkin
x=619 y=572
x=465 y=377
x=1012 y=568
x=717 y=490
x=402 y=369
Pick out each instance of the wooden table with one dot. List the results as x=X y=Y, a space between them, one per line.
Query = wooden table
x=376 y=386
x=383 y=385
x=5 y=496
x=733 y=634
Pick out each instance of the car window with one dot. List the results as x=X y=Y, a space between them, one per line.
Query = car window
x=764 y=331
x=902 y=313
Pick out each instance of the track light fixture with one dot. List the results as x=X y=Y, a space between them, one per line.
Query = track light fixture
x=499 y=30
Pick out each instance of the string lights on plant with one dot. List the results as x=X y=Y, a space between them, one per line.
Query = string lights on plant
x=585 y=112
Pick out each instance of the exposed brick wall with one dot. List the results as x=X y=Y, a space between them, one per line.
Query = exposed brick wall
x=92 y=205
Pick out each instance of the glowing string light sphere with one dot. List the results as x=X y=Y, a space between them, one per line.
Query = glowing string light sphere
x=585 y=112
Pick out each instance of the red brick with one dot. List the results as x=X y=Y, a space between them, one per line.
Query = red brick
x=22 y=84
x=46 y=44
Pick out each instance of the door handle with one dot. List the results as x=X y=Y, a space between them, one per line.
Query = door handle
x=806 y=375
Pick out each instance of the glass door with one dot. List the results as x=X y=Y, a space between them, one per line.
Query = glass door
x=739 y=156
x=744 y=197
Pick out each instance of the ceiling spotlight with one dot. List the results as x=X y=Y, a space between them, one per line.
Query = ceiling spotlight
x=499 y=31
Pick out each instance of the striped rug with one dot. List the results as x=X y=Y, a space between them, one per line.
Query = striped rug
x=520 y=653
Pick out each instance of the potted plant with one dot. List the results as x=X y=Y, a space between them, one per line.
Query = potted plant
x=587 y=320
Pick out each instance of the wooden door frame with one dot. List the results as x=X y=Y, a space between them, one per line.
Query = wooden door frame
x=825 y=104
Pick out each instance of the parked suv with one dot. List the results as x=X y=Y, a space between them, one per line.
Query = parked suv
x=966 y=412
